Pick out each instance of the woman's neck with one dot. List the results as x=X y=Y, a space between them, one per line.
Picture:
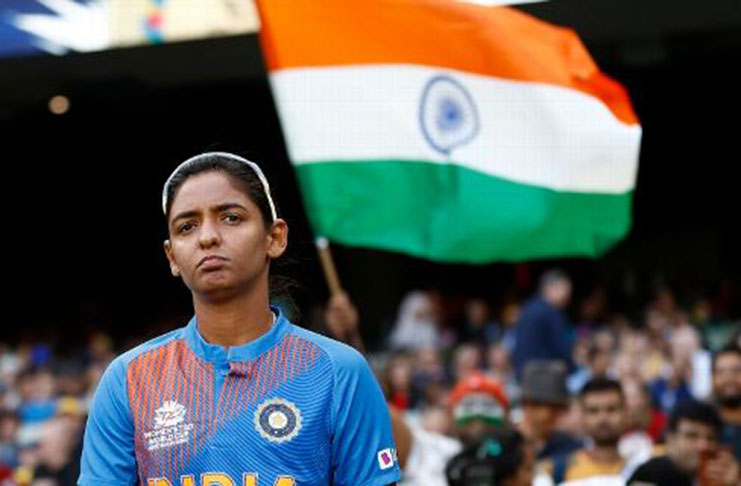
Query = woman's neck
x=236 y=321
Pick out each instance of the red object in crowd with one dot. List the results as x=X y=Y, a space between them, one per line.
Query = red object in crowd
x=399 y=400
x=478 y=382
x=6 y=474
x=657 y=426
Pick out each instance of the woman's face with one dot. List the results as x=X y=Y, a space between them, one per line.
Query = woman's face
x=218 y=242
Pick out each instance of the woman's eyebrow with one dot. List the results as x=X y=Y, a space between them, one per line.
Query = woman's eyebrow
x=229 y=205
x=186 y=214
x=216 y=209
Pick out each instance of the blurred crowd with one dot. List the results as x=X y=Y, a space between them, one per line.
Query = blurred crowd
x=43 y=405
x=584 y=394
x=544 y=390
x=540 y=391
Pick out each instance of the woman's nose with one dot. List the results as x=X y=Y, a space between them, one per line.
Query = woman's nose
x=209 y=235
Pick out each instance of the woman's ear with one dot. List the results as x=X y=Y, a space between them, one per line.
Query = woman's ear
x=171 y=258
x=277 y=238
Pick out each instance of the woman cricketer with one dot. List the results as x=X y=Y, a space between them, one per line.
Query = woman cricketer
x=239 y=396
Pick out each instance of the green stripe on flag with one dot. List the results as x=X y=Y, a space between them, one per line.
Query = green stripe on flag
x=454 y=214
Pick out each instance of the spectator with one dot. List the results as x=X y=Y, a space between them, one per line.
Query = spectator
x=674 y=389
x=545 y=401
x=478 y=327
x=37 y=396
x=592 y=311
x=665 y=303
x=630 y=352
x=61 y=445
x=478 y=406
x=510 y=316
x=399 y=381
x=503 y=459
x=466 y=361
x=686 y=344
x=417 y=324
x=599 y=361
x=638 y=359
x=693 y=452
x=437 y=420
x=429 y=378
x=645 y=424
x=727 y=394
x=9 y=424
x=542 y=332
x=70 y=379
x=499 y=368
x=603 y=415
x=342 y=320
x=658 y=328
x=100 y=349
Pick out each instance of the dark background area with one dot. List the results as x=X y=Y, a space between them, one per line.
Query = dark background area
x=84 y=229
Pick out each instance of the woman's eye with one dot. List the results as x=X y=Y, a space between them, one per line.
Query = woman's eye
x=232 y=218
x=185 y=227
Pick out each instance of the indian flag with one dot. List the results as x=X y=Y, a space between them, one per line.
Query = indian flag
x=450 y=131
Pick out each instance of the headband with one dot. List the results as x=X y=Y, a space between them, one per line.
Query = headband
x=226 y=155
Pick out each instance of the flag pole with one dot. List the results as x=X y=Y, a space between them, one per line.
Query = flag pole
x=330 y=271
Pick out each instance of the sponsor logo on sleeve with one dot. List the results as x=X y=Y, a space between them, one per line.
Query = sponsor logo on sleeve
x=386 y=458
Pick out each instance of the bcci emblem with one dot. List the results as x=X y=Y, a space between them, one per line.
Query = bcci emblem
x=447 y=114
x=278 y=420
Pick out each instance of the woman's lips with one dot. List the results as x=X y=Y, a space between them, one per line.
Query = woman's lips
x=211 y=262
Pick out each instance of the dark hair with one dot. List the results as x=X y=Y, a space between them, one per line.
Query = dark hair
x=601 y=384
x=239 y=172
x=489 y=461
x=730 y=348
x=695 y=411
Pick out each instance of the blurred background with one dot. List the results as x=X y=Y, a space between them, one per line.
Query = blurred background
x=91 y=124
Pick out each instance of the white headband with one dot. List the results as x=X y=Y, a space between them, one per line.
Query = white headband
x=237 y=158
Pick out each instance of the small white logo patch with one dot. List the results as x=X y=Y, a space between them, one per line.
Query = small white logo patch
x=169 y=414
x=169 y=429
x=386 y=458
x=278 y=420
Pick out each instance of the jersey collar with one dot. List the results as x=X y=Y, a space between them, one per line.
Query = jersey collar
x=246 y=352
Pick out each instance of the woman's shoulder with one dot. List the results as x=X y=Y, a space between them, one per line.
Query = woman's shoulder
x=148 y=346
x=342 y=356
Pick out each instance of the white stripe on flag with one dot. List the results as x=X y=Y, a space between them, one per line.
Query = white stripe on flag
x=533 y=133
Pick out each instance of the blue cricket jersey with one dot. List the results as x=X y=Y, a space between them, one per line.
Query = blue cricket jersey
x=292 y=408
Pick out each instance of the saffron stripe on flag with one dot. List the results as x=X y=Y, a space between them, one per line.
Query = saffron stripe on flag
x=491 y=41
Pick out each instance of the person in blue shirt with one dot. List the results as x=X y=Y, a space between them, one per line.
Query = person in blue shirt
x=543 y=332
x=239 y=396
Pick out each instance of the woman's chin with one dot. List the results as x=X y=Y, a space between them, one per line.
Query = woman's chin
x=214 y=284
